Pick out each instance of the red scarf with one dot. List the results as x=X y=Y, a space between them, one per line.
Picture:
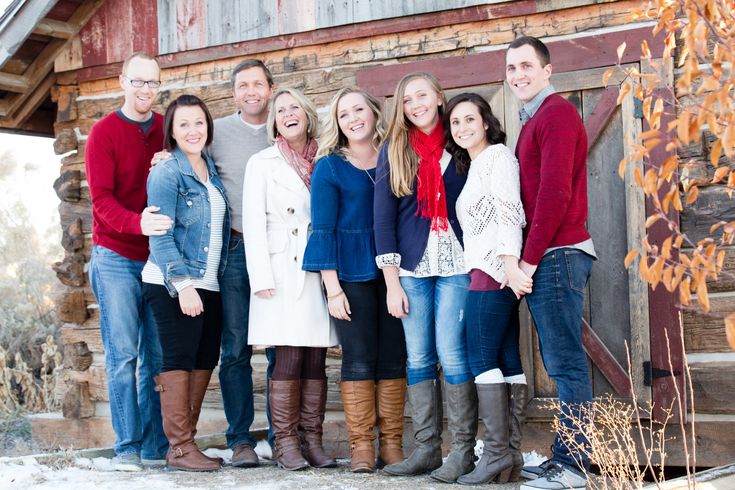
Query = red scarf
x=432 y=202
x=303 y=164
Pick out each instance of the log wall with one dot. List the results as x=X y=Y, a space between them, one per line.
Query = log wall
x=320 y=69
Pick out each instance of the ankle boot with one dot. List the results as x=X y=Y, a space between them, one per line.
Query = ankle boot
x=313 y=406
x=391 y=399
x=462 y=425
x=358 y=401
x=518 y=401
x=183 y=453
x=198 y=383
x=285 y=403
x=427 y=416
x=496 y=461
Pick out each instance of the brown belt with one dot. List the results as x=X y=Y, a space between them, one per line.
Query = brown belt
x=234 y=232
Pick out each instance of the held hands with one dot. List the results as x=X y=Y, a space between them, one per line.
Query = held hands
x=339 y=307
x=265 y=293
x=518 y=281
x=527 y=268
x=397 y=302
x=159 y=157
x=190 y=302
x=152 y=224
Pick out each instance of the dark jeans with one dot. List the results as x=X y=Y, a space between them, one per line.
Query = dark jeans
x=556 y=307
x=493 y=329
x=294 y=362
x=186 y=342
x=373 y=343
x=235 y=371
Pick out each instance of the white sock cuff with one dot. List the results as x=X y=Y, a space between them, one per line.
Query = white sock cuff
x=518 y=379
x=493 y=376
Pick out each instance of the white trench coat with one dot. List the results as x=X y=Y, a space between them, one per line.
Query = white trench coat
x=276 y=224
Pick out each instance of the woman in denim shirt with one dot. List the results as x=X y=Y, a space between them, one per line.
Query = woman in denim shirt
x=342 y=247
x=181 y=275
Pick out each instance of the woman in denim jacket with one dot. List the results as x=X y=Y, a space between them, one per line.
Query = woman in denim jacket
x=342 y=248
x=181 y=275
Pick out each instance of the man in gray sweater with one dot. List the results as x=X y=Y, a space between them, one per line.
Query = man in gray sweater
x=236 y=138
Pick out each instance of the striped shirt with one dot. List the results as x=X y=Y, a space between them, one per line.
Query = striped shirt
x=152 y=273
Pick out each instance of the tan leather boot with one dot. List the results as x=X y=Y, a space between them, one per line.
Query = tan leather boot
x=358 y=400
x=391 y=399
x=313 y=406
x=183 y=454
x=198 y=383
x=285 y=403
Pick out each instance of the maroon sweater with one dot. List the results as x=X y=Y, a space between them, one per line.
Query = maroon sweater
x=118 y=158
x=552 y=152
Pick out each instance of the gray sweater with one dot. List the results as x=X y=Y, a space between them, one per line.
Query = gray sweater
x=233 y=145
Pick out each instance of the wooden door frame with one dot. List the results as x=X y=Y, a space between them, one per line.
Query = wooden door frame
x=572 y=54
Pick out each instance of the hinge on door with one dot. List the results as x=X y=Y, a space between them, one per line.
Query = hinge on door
x=650 y=373
x=637 y=108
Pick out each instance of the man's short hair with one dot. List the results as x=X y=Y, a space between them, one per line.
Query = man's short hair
x=139 y=54
x=246 y=65
x=541 y=50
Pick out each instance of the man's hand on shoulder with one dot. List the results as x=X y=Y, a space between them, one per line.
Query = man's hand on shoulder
x=152 y=224
x=159 y=157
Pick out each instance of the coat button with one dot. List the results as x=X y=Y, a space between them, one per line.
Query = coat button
x=209 y=225
x=206 y=249
x=295 y=231
x=189 y=203
x=290 y=210
x=201 y=271
x=294 y=259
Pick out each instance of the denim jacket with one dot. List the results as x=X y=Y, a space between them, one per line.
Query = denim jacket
x=182 y=251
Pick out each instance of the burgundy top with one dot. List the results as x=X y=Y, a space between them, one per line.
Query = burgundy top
x=552 y=152
x=118 y=157
x=481 y=281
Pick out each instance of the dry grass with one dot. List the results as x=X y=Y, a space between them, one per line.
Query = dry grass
x=20 y=389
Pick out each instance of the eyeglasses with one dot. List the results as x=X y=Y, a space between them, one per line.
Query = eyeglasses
x=140 y=83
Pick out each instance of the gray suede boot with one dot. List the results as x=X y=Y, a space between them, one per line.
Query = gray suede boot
x=462 y=425
x=426 y=413
x=496 y=461
x=518 y=401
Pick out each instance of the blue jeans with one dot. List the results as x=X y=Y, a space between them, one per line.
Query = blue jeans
x=235 y=371
x=556 y=307
x=493 y=329
x=435 y=328
x=130 y=340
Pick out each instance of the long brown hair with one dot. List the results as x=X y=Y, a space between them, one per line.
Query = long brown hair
x=402 y=159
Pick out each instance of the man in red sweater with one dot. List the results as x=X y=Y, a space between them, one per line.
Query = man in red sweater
x=118 y=154
x=558 y=251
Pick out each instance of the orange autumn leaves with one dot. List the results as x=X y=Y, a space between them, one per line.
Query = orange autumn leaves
x=696 y=109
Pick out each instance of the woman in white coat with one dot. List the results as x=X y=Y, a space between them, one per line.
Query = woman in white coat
x=288 y=309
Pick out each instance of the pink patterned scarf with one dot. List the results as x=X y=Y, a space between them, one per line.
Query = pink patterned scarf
x=302 y=163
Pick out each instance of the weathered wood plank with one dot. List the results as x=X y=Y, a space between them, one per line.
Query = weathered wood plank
x=71 y=307
x=713 y=205
x=714 y=385
x=706 y=332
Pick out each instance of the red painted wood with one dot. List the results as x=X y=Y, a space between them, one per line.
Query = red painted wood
x=601 y=115
x=119 y=29
x=94 y=71
x=604 y=361
x=566 y=55
x=93 y=38
x=665 y=316
x=63 y=10
x=146 y=27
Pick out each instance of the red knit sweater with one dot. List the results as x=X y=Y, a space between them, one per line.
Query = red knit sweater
x=552 y=152
x=118 y=158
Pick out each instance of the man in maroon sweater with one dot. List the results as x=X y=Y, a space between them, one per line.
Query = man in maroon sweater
x=558 y=251
x=118 y=154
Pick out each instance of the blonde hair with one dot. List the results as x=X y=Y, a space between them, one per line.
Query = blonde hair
x=332 y=139
x=312 y=126
x=403 y=162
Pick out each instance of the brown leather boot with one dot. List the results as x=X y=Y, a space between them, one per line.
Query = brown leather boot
x=313 y=405
x=198 y=383
x=391 y=400
x=358 y=401
x=175 y=409
x=285 y=402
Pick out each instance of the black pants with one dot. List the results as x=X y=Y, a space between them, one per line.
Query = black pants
x=373 y=344
x=186 y=342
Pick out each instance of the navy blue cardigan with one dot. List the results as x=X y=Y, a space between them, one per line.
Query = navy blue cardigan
x=398 y=227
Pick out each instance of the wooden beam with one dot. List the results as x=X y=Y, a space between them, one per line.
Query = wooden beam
x=605 y=361
x=55 y=28
x=600 y=115
x=14 y=33
x=40 y=94
x=14 y=83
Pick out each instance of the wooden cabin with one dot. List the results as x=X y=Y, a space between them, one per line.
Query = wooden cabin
x=59 y=62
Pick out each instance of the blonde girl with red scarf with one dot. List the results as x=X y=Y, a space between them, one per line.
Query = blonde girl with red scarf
x=419 y=245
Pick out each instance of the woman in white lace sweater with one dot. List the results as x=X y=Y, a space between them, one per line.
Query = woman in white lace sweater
x=490 y=212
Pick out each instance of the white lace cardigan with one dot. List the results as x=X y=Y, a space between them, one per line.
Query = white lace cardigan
x=490 y=211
